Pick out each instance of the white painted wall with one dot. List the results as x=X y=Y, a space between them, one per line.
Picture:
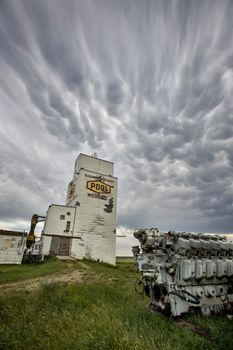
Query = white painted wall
x=12 y=249
x=54 y=225
x=95 y=226
x=96 y=166
x=46 y=244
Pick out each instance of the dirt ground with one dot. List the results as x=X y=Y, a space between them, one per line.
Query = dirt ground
x=34 y=283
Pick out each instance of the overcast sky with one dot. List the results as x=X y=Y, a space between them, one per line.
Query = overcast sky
x=145 y=84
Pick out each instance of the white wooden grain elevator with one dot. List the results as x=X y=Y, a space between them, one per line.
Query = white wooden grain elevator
x=86 y=225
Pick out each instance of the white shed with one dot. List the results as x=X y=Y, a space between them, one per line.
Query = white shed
x=12 y=245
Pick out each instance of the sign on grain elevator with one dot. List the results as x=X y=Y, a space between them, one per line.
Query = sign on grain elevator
x=93 y=193
x=98 y=187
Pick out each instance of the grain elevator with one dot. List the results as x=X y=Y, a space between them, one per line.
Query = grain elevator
x=86 y=225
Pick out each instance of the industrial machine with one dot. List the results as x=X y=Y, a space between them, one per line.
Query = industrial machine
x=34 y=250
x=185 y=271
x=31 y=235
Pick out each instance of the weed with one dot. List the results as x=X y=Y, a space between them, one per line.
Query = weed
x=104 y=313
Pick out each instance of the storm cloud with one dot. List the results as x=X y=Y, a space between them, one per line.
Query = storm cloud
x=145 y=84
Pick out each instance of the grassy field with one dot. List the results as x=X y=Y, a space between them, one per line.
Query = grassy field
x=100 y=312
x=13 y=273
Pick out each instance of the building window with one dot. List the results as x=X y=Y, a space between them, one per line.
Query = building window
x=68 y=226
x=68 y=213
x=62 y=217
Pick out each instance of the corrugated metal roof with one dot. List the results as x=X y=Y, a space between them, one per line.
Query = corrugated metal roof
x=12 y=233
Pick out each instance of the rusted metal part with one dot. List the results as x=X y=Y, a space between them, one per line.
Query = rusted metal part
x=31 y=235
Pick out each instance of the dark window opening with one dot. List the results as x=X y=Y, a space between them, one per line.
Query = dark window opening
x=62 y=217
x=68 y=226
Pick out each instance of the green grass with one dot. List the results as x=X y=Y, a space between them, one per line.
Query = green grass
x=102 y=313
x=15 y=273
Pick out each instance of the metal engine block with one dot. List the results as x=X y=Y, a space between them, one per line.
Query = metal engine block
x=183 y=271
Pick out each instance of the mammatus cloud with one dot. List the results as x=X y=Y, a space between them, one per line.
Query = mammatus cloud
x=147 y=85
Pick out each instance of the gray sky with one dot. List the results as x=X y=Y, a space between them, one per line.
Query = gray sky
x=145 y=84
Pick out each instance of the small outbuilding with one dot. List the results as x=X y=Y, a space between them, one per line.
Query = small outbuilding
x=12 y=245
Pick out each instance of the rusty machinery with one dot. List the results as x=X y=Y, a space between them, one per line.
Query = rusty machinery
x=182 y=271
x=31 y=235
